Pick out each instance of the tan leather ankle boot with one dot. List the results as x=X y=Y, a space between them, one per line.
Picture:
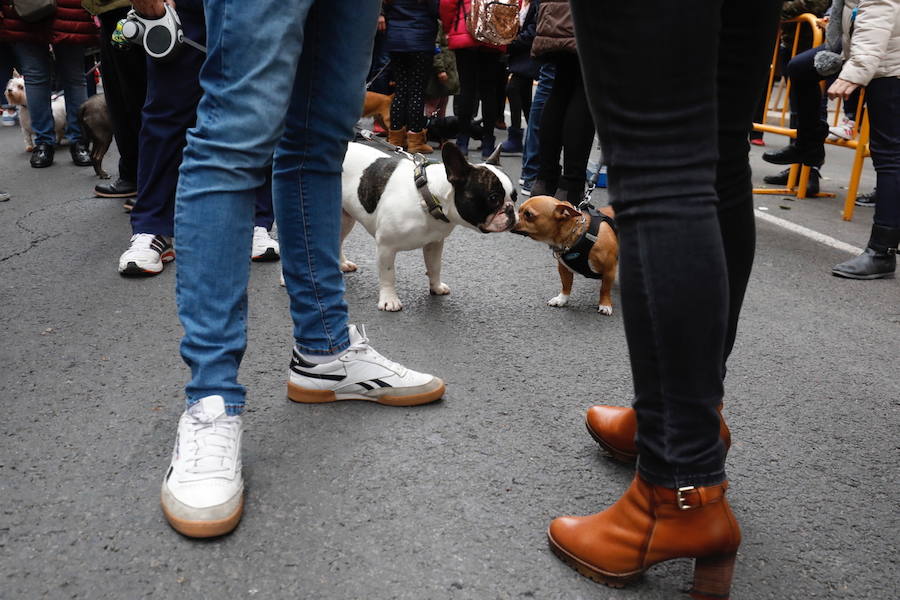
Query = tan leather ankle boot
x=614 y=427
x=418 y=142
x=651 y=524
x=397 y=137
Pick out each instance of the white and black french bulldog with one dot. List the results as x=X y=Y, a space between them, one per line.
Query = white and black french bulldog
x=379 y=191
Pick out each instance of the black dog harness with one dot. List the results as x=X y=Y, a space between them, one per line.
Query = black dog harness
x=575 y=258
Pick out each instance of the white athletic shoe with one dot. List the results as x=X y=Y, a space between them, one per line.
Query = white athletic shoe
x=361 y=373
x=844 y=130
x=203 y=491
x=146 y=255
x=265 y=249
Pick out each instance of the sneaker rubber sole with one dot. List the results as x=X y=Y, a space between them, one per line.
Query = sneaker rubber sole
x=268 y=256
x=100 y=194
x=303 y=395
x=133 y=270
x=203 y=529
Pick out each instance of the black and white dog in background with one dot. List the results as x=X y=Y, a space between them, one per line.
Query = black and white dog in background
x=379 y=191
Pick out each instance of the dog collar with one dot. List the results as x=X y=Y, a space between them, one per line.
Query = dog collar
x=575 y=257
x=432 y=204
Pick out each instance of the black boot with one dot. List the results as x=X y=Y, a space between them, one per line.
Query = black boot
x=779 y=179
x=878 y=260
x=794 y=154
x=81 y=154
x=812 y=187
x=42 y=156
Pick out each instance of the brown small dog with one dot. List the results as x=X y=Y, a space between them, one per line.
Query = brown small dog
x=582 y=242
x=96 y=127
x=378 y=106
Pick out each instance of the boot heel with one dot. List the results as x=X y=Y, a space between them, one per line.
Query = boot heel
x=712 y=577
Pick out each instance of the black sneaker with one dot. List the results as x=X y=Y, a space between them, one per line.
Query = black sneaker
x=866 y=199
x=122 y=188
x=81 y=154
x=42 y=156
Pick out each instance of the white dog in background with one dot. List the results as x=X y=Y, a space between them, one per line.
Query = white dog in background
x=15 y=95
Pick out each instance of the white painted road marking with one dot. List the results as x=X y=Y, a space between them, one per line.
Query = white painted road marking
x=808 y=233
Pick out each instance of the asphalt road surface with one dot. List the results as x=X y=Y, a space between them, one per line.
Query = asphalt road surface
x=358 y=501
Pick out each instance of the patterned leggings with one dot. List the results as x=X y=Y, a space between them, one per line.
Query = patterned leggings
x=411 y=70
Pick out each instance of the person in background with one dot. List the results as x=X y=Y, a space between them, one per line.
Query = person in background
x=523 y=71
x=411 y=28
x=872 y=59
x=444 y=80
x=566 y=124
x=173 y=92
x=673 y=87
x=70 y=31
x=125 y=88
x=531 y=154
x=478 y=64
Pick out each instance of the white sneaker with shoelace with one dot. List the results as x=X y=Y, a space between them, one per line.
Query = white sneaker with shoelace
x=361 y=373
x=203 y=490
x=146 y=255
x=265 y=249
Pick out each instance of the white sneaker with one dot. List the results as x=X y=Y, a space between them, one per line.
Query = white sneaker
x=361 y=373
x=203 y=491
x=147 y=255
x=265 y=249
x=844 y=130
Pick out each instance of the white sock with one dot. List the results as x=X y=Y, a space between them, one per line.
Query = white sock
x=321 y=359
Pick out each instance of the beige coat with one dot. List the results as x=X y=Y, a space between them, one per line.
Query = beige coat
x=874 y=49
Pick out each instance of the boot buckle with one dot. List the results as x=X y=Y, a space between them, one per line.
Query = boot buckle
x=682 y=502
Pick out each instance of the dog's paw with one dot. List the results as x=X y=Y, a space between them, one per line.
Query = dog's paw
x=604 y=309
x=29 y=148
x=441 y=290
x=104 y=175
x=560 y=300
x=389 y=303
x=348 y=267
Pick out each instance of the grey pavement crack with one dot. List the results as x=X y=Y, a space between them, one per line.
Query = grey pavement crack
x=34 y=242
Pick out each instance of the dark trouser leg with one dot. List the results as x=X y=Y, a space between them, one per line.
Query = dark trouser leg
x=464 y=102
x=806 y=103
x=578 y=136
x=660 y=135
x=883 y=98
x=401 y=66
x=125 y=86
x=488 y=66
x=552 y=123
x=264 y=215
x=173 y=92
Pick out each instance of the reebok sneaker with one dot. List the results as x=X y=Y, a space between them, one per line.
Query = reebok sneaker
x=203 y=491
x=361 y=373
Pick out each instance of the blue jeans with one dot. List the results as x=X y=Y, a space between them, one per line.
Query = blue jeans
x=305 y=62
x=37 y=68
x=530 y=162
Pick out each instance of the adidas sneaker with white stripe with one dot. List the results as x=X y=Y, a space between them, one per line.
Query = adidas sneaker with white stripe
x=361 y=373
x=146 y=255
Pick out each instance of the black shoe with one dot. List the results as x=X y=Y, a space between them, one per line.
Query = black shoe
x=792 y=154
x=128 y=205
x=122 y=188
x=42 y=156
x=812 y=186
x=81 y=154
x=866 y=199
x=780 y=179
x=878 y=260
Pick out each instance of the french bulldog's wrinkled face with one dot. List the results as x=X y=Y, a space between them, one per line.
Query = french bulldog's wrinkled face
x=541 y=218
x=483 y=194
x=15 y=91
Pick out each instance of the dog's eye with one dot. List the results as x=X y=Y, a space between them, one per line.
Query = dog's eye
x=529 y=215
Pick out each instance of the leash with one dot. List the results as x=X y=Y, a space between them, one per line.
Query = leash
x=432 y=204
x=377 y=75
x=592 y=185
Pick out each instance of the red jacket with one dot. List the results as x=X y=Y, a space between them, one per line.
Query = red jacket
x=71 y=24
x=453 y=18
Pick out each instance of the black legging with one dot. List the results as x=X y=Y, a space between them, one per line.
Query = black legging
x=518 y=90
x=674 y=135
x=567 y=127
x=411 y=70
x=477 y=69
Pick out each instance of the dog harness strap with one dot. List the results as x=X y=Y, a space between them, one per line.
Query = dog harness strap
x=576 y=257
x=421 y=179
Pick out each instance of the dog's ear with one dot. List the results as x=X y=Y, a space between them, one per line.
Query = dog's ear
x=456 y=165
x=494 y=158
x=16 y=74
x=565 y=211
